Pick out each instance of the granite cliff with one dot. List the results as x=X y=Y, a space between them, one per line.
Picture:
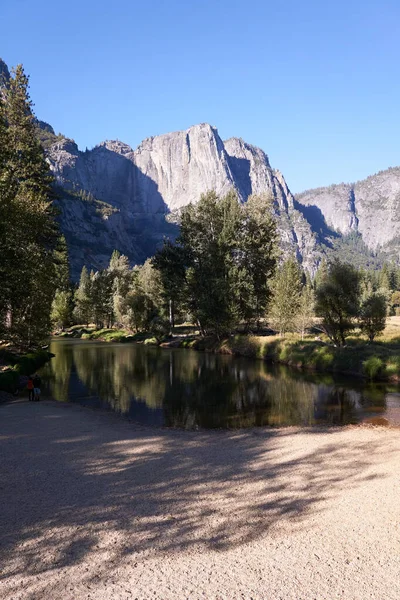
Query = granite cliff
x=370 y=207
x=115 y=197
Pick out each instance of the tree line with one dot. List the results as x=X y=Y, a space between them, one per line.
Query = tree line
x=225 y=273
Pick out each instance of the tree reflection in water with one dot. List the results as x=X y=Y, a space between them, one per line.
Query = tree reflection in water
x=184 y=388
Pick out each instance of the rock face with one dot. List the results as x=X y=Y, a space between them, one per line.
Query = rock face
x=116 y=197
x=370 y=207
x=4 y=73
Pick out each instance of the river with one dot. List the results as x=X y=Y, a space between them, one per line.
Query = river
x=189 y=389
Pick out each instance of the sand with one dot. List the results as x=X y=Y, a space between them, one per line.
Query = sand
x=92 y=506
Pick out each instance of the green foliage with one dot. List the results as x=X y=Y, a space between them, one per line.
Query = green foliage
x=159 y=327
x=27 y=226
x=219 y=269
x=373 y=367
x=61 y=309
x=304 y=317
x=352 y=249
x=46 y=136
x=338 y=300
x=83 y=307
x=373 y=315
x=286 y=293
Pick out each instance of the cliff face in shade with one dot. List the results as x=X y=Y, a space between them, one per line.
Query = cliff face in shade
x=129 y=193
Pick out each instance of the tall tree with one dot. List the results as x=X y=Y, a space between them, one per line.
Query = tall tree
x=304 y=317
x=121 y=276
x=27 y=261
x=83 y=310
x=286 y=290
x=257 y=257
x=338 y=301
x=170 y=262
x=373 y=315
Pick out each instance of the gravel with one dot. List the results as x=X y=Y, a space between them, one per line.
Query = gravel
x=92 y=506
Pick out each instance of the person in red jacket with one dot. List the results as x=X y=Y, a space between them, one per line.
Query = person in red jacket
x=29 y=385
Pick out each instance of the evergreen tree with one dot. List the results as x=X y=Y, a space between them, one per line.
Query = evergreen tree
x=170 y=263
x=321 y=274
x=27 y=245
x=61 y=309
x=62 y=267
x=286 y=293
x=101 y=298
x=83 y=310
x=121 y=276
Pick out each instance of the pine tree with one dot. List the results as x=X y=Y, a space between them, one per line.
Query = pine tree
x=61 y=265
x=121 y=276
x=30 y=232
x=170 y=263
x=61 y=312
x=83 y=310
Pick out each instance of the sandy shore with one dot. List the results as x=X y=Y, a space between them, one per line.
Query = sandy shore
x=95 y=507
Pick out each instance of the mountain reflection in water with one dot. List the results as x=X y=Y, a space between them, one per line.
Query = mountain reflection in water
x=188 y=389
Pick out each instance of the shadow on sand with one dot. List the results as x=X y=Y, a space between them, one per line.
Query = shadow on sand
x=71 y=476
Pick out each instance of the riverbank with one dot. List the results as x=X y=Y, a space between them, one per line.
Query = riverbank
x=379 y=361
x=15 y=366
x=376 y=362
x=102 y=508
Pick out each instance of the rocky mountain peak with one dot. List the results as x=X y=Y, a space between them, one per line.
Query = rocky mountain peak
x=4 y=73
x=116 y=146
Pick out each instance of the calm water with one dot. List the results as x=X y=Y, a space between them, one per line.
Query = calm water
x=184 y=388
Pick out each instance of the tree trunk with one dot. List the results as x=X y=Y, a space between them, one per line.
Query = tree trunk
x=171 y=315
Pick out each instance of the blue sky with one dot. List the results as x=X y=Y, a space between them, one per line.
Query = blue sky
x=315 y=84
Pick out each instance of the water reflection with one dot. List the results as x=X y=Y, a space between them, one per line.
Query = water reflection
x=183 y=388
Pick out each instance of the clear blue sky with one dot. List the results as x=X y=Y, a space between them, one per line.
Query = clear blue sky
x=315 y=84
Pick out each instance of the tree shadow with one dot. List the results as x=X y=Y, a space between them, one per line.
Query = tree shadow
x=85 y=485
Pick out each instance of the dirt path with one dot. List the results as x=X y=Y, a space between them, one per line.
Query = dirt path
x=94 y=507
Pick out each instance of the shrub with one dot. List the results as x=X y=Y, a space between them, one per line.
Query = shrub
x=159 y=328
x=151 y=342
x=373 y=367
x=9 y=381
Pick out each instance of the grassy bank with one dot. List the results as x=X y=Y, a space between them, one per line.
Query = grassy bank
x=102 y=335
x=16 y=365
x=377 y=361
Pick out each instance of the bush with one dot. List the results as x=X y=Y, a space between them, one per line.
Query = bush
x=373 y=367
x=9 y=381
x=151 y=342
x=159 y=328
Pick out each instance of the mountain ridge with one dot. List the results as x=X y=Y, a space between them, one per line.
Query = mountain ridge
x=114 y=196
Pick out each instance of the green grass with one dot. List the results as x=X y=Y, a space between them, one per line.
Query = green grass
x=377 y=361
